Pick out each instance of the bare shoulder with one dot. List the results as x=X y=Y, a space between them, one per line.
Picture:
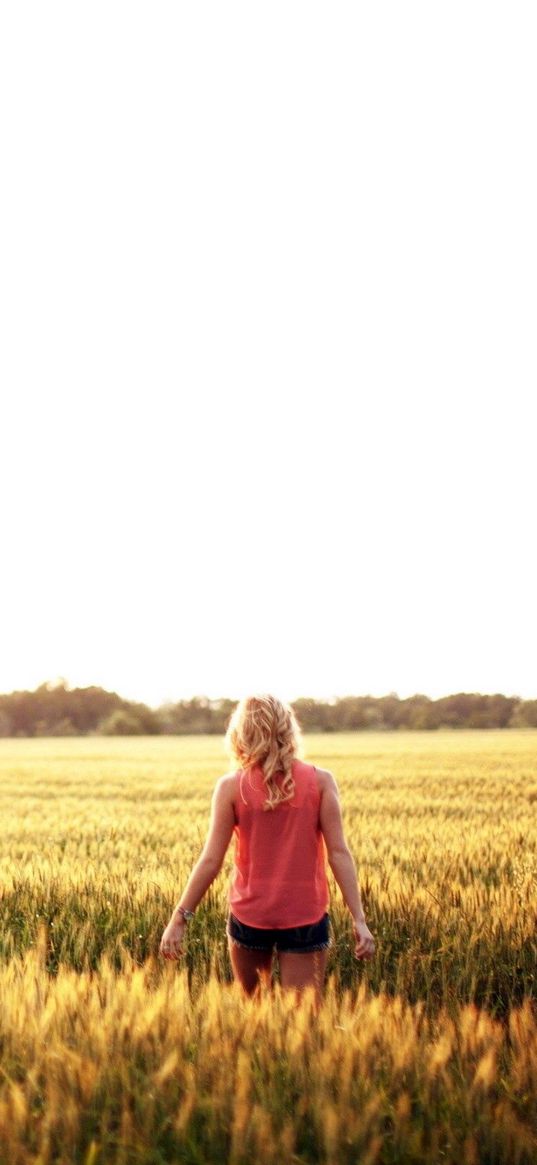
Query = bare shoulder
x=224 y=797
x=226 y=785
x=325 y=778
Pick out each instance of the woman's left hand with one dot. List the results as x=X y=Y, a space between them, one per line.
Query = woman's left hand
x=171 y=943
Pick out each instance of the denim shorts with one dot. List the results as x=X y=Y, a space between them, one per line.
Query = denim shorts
x=313 y=936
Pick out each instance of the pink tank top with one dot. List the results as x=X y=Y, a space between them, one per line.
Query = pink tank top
x=279 y=878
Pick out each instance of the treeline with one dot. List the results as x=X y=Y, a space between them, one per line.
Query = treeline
x=55 y=709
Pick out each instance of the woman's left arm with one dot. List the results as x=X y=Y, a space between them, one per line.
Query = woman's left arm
x=207 y=867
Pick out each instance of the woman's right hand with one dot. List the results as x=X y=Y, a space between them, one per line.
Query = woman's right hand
x=365 y=943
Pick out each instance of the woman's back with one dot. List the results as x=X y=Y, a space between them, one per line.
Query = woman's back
x=280 y=877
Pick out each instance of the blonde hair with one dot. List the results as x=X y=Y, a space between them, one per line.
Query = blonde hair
x=264 y=731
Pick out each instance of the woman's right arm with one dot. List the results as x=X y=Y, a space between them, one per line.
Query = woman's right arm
x=342 y=862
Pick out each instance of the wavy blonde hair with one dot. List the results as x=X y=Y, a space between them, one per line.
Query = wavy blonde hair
x=263 y=731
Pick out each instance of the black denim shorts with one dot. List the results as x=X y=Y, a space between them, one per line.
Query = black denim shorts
x=313 y=936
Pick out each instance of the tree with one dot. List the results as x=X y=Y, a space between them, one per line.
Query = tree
x=121 y=723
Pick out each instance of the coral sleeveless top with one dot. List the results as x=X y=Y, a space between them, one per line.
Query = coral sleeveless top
x=279 y=879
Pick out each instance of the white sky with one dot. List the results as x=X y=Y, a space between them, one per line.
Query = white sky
x=268 y=296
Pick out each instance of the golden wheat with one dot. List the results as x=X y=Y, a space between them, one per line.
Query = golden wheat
x=427 y=1054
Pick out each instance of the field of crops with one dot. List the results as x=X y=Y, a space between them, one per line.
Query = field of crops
x=426 y=1054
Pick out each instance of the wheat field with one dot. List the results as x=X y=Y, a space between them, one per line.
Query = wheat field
x=426 y=1054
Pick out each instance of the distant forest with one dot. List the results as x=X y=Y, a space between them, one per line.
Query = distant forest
x=55 y=709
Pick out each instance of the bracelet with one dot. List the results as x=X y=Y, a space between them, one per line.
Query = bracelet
x=186 y=913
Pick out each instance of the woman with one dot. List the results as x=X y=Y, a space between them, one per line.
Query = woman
x=286 y=817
